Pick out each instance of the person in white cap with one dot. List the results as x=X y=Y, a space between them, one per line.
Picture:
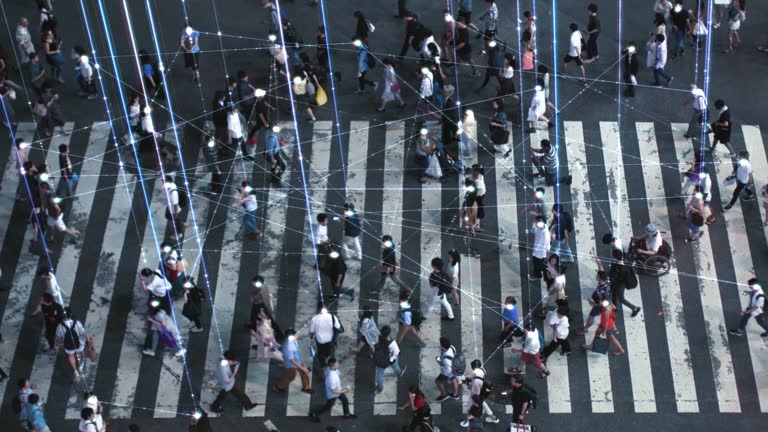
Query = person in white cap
x=649 y=242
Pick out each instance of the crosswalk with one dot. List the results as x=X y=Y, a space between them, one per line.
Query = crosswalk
x=679 y=353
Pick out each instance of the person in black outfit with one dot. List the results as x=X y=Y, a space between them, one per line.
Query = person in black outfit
x=619 y=272
x=450 y=119
x=336 y=270
x=412 y=29
x=722 y=127
x=495 y=63
x=593 y=28
x=361 y=26
x=53 y=313
x=388 y=266
x=520 y=398
x=219 y=116
x=631 y=67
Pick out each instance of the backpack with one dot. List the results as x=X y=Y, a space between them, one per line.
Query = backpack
x=630 y=278
x=486 y=389
x=71 y=338
x=416 y=316
x=183 y=198
x=381 y=355
x=458 y=362
x=444 y=285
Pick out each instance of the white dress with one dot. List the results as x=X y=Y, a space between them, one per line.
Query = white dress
x=538 y=106
x=469 y=132
x=390 y=79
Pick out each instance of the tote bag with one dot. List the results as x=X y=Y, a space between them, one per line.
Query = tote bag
x=320 y=97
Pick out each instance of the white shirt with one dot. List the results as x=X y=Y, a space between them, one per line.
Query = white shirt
x=699 y=99
x=558 y=284
x=86 y=71
x=480 y=185
x=394 y=351
x=654 y=242
x=743 y=171
x=661 y=55
x=234 y=126
x=427 y=86
x=52 y=288
x=173 y=198
x=250 y=204
x=575 y=44
x=158 y=286
x=322 y=326
x=705 y=185
x=561 y=326
x=332 y=382
x=321 y=233
x=509 y=72
x=759 y=302
x=94 y=425
x=147 y=125
x=24 y=39
x=531 y=344
x=133 y=112
x=541 y=241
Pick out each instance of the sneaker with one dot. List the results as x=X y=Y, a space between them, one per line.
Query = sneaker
x=181 y=352
x=491 y=419
x=402 y=371
x=635 y=312
x=442 y=398
x=251 y=406
x=749 y=198
x=736 y=332
x=464 y=423
x=148 y=352
x=456 y=397
x=196 y=329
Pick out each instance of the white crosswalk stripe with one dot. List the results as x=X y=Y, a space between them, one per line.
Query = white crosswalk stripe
x=604 y=394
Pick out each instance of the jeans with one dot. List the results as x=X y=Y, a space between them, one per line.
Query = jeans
x=563 y=251
x=737 y=192
x=440 y=298
x=679 y=46
x=380 y=374
x=249 y=221
x=330 y=402
x=759 y=318
x=660 y=72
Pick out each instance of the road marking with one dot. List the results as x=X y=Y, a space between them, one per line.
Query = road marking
x=470 y=276
x=669 y=285
x=598 y=365
x=11 y=178
x=621 y=225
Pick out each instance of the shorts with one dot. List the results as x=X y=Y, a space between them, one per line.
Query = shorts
x=530 y=358
x=569 y=59
x=58 y=223
x=734 y=25
x=609 y=332
x=596 y=310
x=75 y=351
x=444 y=379
x=191 y=60
x=304 y=99
x=691 y=226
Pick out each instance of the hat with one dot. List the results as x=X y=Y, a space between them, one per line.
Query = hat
x=260 y=93
x=449 y=88
x=651 y=229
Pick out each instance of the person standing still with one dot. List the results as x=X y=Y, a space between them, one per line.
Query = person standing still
x=226 y=372
x=333 y=391
x=593 y=30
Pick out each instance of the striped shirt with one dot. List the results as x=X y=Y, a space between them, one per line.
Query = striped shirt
x=550 y=160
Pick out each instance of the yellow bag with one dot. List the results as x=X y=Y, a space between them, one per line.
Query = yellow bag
x=320 y=97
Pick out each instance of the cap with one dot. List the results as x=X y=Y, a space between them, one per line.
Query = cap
x=651 y=229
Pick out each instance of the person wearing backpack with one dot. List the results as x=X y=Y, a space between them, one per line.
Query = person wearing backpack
x=71 y=337
x=174 y=203
x=481 y=389
x=92 y=421
x=35 y=418
x=622 y=277
x=193 y=305
x=441 y=288
x=410 y=320
x=385 y=354
x=756 y=309
x=157 y=286
x=448 y=356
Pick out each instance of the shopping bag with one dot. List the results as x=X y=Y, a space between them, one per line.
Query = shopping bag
x=90 y=349
x=320 y=97
x=519 y=427
x=600 y=345
x=433 y=169
x=167 y=339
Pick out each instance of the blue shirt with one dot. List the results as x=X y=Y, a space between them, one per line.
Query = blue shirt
x=509 y=315
x=362 y=58
x=273 y=144
x=291 y=351
x=36 y=417
x=332 y=382
x=149 y=71
x=190 y=40
x=405 y=316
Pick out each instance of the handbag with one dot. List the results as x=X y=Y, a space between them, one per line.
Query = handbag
x=600 y=346
x=371 y=27
x=433 y=169
x=730 y=180
x=40 y=110
x=90 y=349
x=395 y=87
x=320 y=97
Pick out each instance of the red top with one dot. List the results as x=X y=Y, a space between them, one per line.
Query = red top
x=608 y=318
x=419 y=402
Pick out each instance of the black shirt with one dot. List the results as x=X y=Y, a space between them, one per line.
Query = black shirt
x=593 y=24
x=389 y=257
x=679 y=19
x=441 y=281
x=562 y=223
x=476 y=411
x=462 y=37
x=723 y=133
x=519 y=397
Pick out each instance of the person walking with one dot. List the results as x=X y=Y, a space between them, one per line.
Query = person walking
x=24 y=41
x=622 y=276
x=71 y=336
x=574 y=51
x=491 y=18
x=389 y=265
x=737 y=14
x=274 y=156
x=86 y=79
x=333 y=391
x=323 y=328
x=722 y=128
x=450 y=118
x=55 y=214
x=51 y=285
x=441 y=287
x=560 y=324
x=601 y=292
x=53 y=313
x=173 y=205
x=250 y=206
x=363 y=65
x=631 y=65
x=193 y=305
x=607 y=327
x=409 y=319
x=163 y=329
x=35 y=73
x=743 y=176
x=660 y=61
x=226 y=372
x=479 y=390
x=368 y=332
x=521 y=396
x=498 y=130
x=681 y=26
x=593 y=31
x=445 y=360
x=541 y=247
x=562 y=228
x=301 y=92
x=293 y=364
x=189 y=42
x=69 y=178
x=385 y=354
x=53 y=55
x=267 y=346
x=698 y=100
x=35 y=417
x=754 y=309
x=460 y=43
x=529 y=352
x=54 y=116
x=413 y=29
x=495 y=64
x=352 y=231
x=539 y=104
x=336 y=270
x=157 y=286
x=391 y=86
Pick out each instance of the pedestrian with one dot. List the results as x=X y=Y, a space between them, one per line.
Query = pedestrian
x=368 y=332
x=24 y=41
x=352 y=230
x=235 y=132
x=469 y=207
x=460 y=43
x=538 y=109
x=274 y=155
x=51 y=285
x=495 y=64
x=153 y=77
x=479 y=390
x=560 y=324
x=173 y=204
x=742 y=173
x=764 y=195
x=441 y=287
x=322 y=243
x=56 y=214
x=663 y=7
x=261 y=299
x=85 y=76
x=413 y=28
x=193 y=305
x=426 y=91
x=451 y=116
x=246 y=95
x=416 y=402
x=529 y=352
x=267 y=346
x=699 y=29
x=22 y=395
x=547 y=164
x=71 y=337
x=601 y=292
x=698 y=100
x=163 y=329
x=250 y=206
x=541 y=247
x=722 y=128
x=156 y=286
x=362 y=25
x=425 y=147
x=53 y=55
x=363 y=65
x=562 y=228
x=631 y=66
x=92 y=421
x=322 y=329
x=650 y=242
x=510 y=321
x=498 y=130
x=661 y=25
x=54 y=116
x=53 y=313
x=391 y=86
x=134 y=114
x=389 y=266
x=754 y=309
x=445 y=360
x=226 y=372
x=491 y=18
x=8 y=95
x=293 y=364
x=468 y=134
x=321 y=52
x=35 y=416
x=694 y=217
x=660 y=61
x=574 y=51
x=521 y=395
x=452 y=270
x=593 y=31
x=622 y=276
x=681 y=25
x=555 y=280
x=189 y=42
x=474 y=414
x=333 y=391
x=336 y=270
x=300 y=92
x=737 y=13
x=385 y=355
x=69 y=178
x=607 y=328
x=507 y=77
x=409 y=319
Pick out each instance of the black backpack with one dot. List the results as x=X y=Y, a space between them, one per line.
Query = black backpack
x=183 y=198
x=486 y=389
x=381 y=355
x=71 y=338
x=630 y=278
x=458 y=362
x=444 y=285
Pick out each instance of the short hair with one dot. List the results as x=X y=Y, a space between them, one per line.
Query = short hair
x=602 y=275
x=332 y=360
x=242 y=74
x=592 y=8
x=546 y=143
x=33 y=398
x=168 y=179
x=257 y=278
x=573 y=27
x=385 y=331
x=147 y=272
x=518 y=378
x=527 y=14
x=229 y=355
x=445 y=342
x=22 y=382
x=437 y=262
x=322 y=217
x=617 y=254
x=86 y=413
x=386 y=238
x=753 y=281
x=63 y=148
x=557 y=207
x=510 y=300
x=719 y=104
x=542 y=69
x=660 y=37
x=608 y=238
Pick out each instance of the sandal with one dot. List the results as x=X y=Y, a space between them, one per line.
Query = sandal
x=618 y=353
x=543 y=375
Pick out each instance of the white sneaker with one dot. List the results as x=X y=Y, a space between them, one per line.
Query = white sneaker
x=181 y=352
x=464 y=424
x=491 y=419
x=148 y=352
